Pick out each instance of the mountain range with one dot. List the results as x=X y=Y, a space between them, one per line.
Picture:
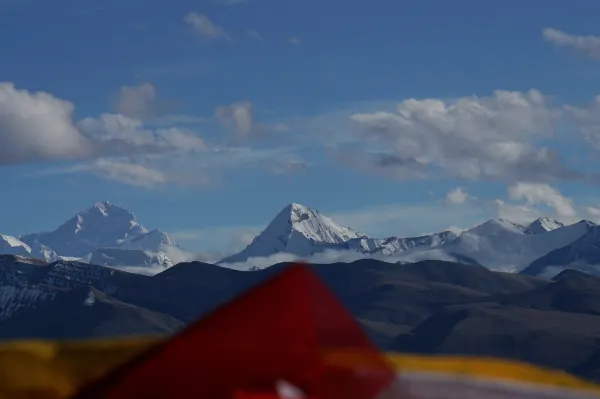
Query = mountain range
x=109 y=235
x=446 y=292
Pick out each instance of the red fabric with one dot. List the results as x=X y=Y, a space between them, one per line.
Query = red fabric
x=251 y=395
x=277 y=331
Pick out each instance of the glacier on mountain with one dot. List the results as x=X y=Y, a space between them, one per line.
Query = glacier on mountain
x=13 y=246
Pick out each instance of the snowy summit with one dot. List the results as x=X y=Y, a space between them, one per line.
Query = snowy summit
x=103 y=225
x=297 y=230
x=543 y=225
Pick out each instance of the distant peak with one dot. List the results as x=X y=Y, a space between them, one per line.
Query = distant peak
x=310 y=223
x=495 y=224
x=294 y=206
x=544 y=224
x=504 y=220
x=104 y=206
x=295 y=212
x=501 y=221
x=587 y=222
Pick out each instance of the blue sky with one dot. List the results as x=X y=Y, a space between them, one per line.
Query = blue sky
x=205 y=118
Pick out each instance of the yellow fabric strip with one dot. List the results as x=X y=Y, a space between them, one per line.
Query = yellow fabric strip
x=39 y=369
x=491 y=369
x=57 y=369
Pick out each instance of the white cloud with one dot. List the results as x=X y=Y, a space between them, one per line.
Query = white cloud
x=136 y=101
x=457 y=196
x=535 y=193
x=593 y=211
x=38 y=126
x=116 y=134
x=144 y=172
x=474 y=138
x=124 y=172
x=178 y=120
x=204 y=27
x=239 y=117
x=142 y=103
x=588 y=121
x=522 y=214
x=588 y=45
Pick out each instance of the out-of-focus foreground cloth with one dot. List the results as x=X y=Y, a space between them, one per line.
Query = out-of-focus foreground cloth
x=39 y=369
x=290 y=329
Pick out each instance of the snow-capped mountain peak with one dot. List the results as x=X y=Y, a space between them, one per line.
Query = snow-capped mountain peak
x=543 y=225
x=312 y=224
x=297 y=230
x=102 y=207
x=495 y=227
x=102 y=225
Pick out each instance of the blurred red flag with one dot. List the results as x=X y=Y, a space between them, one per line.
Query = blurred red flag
x=286 y=329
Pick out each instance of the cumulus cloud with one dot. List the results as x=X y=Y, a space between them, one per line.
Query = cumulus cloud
x=536 y=193
x=143 y=172
x=38 y=126
x=124 y=172
x=474 y=138
x=204 y=27
x=593 y=211
x=588 y=45
x=518 y=213
x=239 y=117
x=136 y=101
x=142 y=103
x=588 y=120
x=457 y=196
x=115 y=134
